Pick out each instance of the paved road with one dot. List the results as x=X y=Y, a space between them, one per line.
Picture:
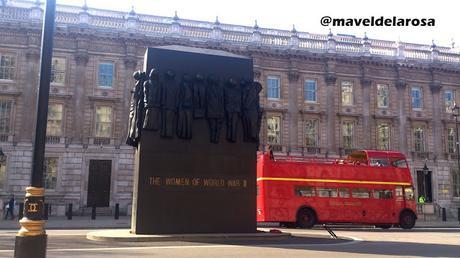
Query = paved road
x=312 y=243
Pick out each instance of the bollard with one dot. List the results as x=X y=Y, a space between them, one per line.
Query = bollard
x=69 y=212
x=117 y=211
x=21 y=210
x=45 y=214
x=93 y=212
x=443 y=214
x=458 y=212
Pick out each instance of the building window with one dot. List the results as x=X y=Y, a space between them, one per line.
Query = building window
x=58 y=66
x=106 y=71
x=7 y=67
x=274 y=130
x=383 y=136
x=2 y=176
x=382 y=95
x=310 y=91
x=419 y=139
x=54 y=125
x=451 y=140
x=417 y=99
x=50 y=173
x=449 y=100
x=348 y=135
x=347 y=93
x=5 y=116
x=103 y=122
x=273 y=87
x=311 y=133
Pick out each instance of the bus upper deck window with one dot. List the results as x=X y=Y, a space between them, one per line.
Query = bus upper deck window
x=379 y=162
x=409 y=193
x=399 y=163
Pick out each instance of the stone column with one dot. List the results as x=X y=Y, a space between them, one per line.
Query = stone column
x=30 y=87
x=331 y=115
x=81 y=60
x=435 y=88
x=293 y=109
x=401 y=88
x=366 y=85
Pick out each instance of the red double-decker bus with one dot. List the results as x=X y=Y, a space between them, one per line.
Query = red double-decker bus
x=368 y=187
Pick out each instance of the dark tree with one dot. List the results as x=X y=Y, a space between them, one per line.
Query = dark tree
x=169 y=100
x=251 y=111
x=232 y=96
x=152 y=101
x=184 y=116
x=136 y=110
x=214 y=107
x=199 y=96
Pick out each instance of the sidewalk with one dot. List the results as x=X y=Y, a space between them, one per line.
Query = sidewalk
x=108 y=222
x=77 y=222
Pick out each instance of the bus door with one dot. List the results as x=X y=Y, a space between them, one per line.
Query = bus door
x=381 y=206
x=400 y=202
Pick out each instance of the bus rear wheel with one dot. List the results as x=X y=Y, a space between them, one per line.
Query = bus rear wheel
x=407 y=220
x=306 y=218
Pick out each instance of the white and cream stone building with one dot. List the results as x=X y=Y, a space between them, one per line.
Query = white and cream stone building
x=323 y=95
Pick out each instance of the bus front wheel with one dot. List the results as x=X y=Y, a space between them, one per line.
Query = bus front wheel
x=306 y=218
x=407 y=220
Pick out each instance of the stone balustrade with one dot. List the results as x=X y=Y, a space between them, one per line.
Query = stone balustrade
x=20 y=11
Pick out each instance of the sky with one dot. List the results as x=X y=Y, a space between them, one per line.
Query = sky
x=306 y=15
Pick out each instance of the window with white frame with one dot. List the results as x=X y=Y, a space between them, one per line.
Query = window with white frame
x=103 y=122
x=7 y=66
x=50 y=173
x=382 y=95
x=105 y=76
x=5 y=115
x=274 y=130
x=58 y=67
x=419 y=139
x=416 y=98
x=310 y=90
x=54 y=124
x=273 y=87
x=449 y=100
x=311 y=133
x=347 y=93
x=383 y=136
x=451 y=148
x=348 y=135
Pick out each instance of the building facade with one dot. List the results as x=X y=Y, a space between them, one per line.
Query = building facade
x=323 y=95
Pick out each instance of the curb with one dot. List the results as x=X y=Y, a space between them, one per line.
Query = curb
x=124 y=235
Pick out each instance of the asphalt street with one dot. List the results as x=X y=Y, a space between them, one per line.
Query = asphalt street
x=358 y=242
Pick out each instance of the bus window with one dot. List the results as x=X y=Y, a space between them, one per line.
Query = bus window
x=305 y=191
x=383 y=194
x=399 y=191
x=409 y=193
x=379 y=162
x=399 y=163
x=327 y=192
x=360 y=193
x=344 y=192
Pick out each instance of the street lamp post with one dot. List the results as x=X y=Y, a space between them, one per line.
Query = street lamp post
x=31 y=238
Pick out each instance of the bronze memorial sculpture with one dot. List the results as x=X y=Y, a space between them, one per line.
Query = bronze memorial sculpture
x=188 y=178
